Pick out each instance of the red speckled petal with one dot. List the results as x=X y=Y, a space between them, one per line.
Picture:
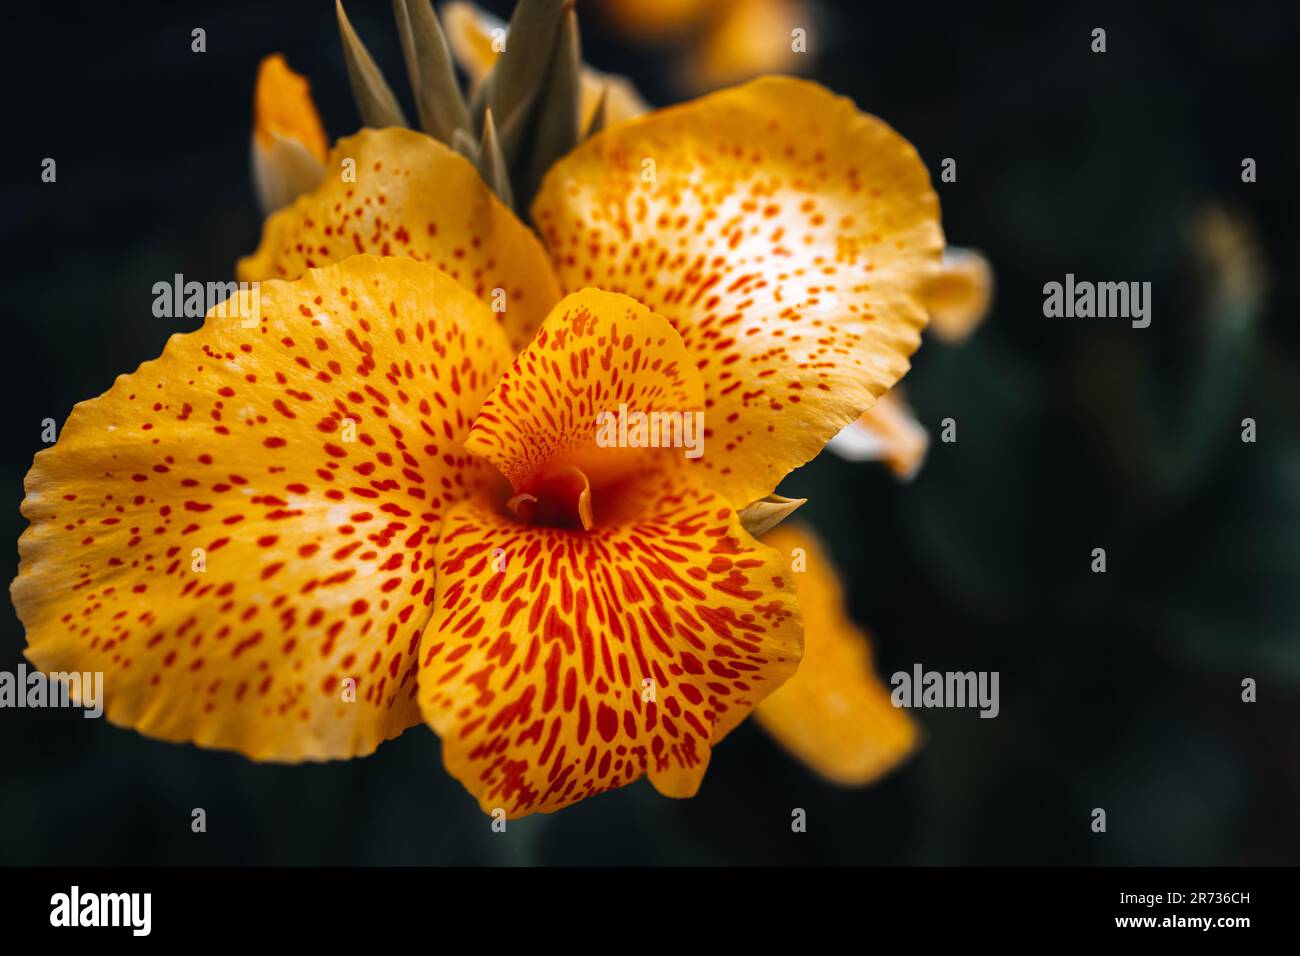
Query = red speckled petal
x=309 y=460
x=560 y=664
x=411 y=196
x=835 y=713
x=597 y=356
x=786 y=235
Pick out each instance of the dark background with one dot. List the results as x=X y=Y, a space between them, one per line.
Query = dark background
x=1119 y=691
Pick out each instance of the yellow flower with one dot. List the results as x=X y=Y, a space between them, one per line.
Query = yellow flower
x=383 y=500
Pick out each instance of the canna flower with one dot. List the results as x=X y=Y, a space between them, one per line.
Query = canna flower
x=371 y=495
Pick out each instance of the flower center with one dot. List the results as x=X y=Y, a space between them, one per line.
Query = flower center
x=558 y=500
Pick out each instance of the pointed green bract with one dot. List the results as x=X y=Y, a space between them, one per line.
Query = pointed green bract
x=766 y=513
x=526 y=113
x=438 y=98
x=492 y=164
x=375 y=100
x=463 y=143
x=519 y=73
x=599 y=116
x=478 y=103
x=558 y=119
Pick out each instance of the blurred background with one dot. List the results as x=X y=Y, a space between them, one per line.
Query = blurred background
x=1120 y=691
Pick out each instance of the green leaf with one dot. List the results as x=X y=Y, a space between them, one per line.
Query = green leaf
x=463 y=143
x=491 y=162
x=558 y=110
x=598 y=115
x=478 y=102
x=521 y=69
x=428 y=62
x=374 y=98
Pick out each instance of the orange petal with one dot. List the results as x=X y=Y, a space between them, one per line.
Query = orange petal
x=784 y=234
x=560 y=664
x=887 y=432
x=413 y=197
x=958 y=296
x=288 y=150
x=245 y=524
x=599 y=357
x=282 y=106
x=835 y=715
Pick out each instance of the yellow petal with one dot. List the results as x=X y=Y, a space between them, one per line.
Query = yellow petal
x=470 y=36
x=787 y=237
x=598 y=359
x=887 y=432
x=560 y=664
x=240 y=527
x=835 y=714
x=958 y=296
x=411 y=196
x=288 y=145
